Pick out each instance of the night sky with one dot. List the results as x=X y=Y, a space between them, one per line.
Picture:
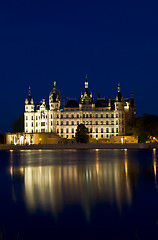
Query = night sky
x=110 y=41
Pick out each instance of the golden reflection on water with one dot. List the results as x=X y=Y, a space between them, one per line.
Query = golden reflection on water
x=155 y=167
x=50 y=188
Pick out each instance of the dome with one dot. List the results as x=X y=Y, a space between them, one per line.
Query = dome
x=54 y=95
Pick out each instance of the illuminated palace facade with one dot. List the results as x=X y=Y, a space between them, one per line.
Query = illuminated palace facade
x=103 y=117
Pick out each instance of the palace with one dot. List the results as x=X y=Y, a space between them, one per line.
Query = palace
x=103 y=117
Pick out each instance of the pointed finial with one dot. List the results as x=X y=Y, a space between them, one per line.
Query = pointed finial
x=29 y=91
x=119 y=87
x=86 y=82
x=54 y=84
x=131 y=95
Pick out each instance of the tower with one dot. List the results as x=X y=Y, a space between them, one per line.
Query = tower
x=29 y=114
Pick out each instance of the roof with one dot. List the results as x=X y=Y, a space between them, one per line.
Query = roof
x=72 y=103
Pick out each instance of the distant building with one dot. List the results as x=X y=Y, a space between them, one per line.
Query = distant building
x=103 y=117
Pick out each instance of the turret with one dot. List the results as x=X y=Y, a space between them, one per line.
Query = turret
x=29 y=103
x=54 y=99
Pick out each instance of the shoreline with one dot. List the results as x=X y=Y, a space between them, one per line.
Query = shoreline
x=80 y=146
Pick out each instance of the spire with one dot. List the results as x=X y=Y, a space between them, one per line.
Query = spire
x=54 y=84
x=131 y=95
x=119 y=87
x=29 y=92
x=86 y=82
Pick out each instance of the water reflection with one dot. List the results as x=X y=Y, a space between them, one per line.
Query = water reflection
x=155 y=167
x=54 y=186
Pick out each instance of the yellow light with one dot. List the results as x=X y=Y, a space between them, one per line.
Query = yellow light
x=11 y=150
x=96 y=138
x=154 y=149
x=125 y=149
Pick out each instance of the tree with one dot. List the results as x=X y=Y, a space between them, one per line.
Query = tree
x=146 y=127
x=82 y=135
x=18 y=125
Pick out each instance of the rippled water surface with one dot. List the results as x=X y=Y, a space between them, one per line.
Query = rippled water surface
x=74 y=194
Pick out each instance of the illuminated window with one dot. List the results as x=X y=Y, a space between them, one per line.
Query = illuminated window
x=26 y=117
x=101 y=122
x=112 y=122
x=36 y=118
x=36 y=124
x=86 y=122
x=42 y=124
x=83 y=122
x=90 y=122
x=26 y=124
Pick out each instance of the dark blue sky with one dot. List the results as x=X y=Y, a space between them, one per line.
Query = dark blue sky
x=45 y=41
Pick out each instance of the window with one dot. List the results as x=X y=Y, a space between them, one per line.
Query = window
x=112 y=122
x=77 y=115
x=90 y=130
x=96 y=130
x=42 y=124
x=96 y=122
x=32 y=124
x=72 y=116
x=72 y=123
x=67 y=123
x=122 y=116
x=36 y=124
x=101 y=130
x=112 y=130
x=96 y=136
x=86 y=115
x=107 y=130
x=77 y=122
x=96 y=115
x=116 y=122
x=36 y=118
x=90 y=115
x=107 y=123
x=61 y=123
x=101 y=135
x=107 y=135
x=83 y=115
x=91 y=136
x=90 y=122
x=101 y=122
x=116 y=115
x=42 y=130
x=112 y=115
x=101 y=115
x=61 y=130
x=83 y=122
x=86 y=122
x=67 y=130
x=67 y=116
x=72 y=130
x=107 y=116
x=32 y=117
x=57 y=115
x=116 y=130
x=51 y=123
x=72 y=136
x=61 y=115
x=26 y=124
x=57 y=130
x=51 y=116
x=122 y=122
x=57 y=122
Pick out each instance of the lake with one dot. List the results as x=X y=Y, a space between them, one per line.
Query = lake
x=79 y=194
